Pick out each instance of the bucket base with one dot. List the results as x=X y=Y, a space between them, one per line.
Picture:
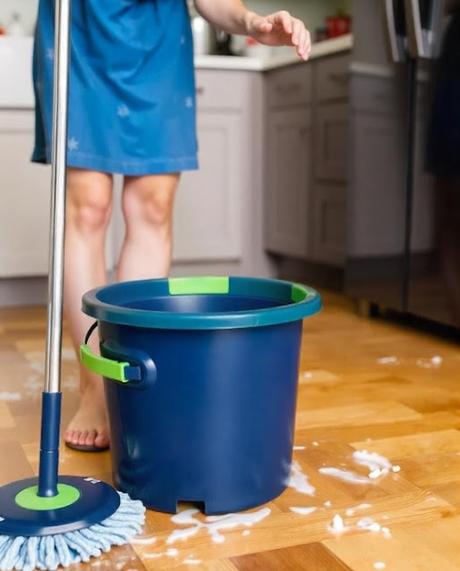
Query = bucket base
x=224 y=506
x=94 y=501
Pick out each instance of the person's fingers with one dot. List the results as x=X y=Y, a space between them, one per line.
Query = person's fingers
x=307 y=45
x=301 y=43
x=297 y=31
x=284 y=20
x=261 y=25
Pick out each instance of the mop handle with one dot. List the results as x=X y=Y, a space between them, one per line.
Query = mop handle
x=51 y=403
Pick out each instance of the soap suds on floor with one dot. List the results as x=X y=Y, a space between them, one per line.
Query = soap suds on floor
x=246 y=532
x=192 y=561
x=315 y=443
x=327 y=504
x=388 y=360
x=151 y=555
x=300 y=447
x=379 y=565
x=303 y=510
x=143 y=540
x=337 y=525
x=172 y=552
x=299 y=481
x=9 y=396
x=344 y=475
x=369 y=524
x=351 y=511
x=377 y=465
x=431 y=363
x=213 y=524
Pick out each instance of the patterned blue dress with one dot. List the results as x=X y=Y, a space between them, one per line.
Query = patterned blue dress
x=132 y=86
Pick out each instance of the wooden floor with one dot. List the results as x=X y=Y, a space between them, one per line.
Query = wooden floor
x=364 y=385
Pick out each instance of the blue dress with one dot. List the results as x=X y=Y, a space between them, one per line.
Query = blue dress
x=132 y=86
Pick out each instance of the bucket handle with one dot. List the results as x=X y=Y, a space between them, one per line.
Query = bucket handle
x=120 y=371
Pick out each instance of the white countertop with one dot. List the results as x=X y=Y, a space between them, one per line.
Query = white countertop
x=16 y=90
x=321 y=49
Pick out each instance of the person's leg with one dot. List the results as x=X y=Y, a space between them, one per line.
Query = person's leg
x=89 y=204
x=148 y=203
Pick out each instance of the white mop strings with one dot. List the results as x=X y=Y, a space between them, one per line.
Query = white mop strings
x=62 y=550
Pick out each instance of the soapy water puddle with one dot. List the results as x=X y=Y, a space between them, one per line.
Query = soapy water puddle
x=213 y=525
x=378 y=467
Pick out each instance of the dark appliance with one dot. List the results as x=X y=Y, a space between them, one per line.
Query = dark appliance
x=403 y=249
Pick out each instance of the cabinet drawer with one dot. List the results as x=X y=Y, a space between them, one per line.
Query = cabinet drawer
x=332 y=78
x=331 y=142
x=221 y=90
x=291 y=86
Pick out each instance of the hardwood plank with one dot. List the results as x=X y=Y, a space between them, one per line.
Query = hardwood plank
x=366 y=413
x=423 y=547
x=414 y=444
x=311 y=557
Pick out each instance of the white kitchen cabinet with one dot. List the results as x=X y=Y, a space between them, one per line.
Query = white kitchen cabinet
x=24 y=199
x=207 y=223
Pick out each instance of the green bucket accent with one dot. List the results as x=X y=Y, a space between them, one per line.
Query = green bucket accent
x=29 y=500
x=299 y=293
x=107 y=368
x=199 y=286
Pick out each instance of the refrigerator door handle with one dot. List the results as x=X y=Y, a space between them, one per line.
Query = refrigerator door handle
x=423 y=37
x=395 y=42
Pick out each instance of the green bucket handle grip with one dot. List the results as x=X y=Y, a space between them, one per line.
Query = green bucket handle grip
x=113 y=370
x=107 y=368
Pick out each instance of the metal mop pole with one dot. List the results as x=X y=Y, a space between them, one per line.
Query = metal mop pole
x=51 y=398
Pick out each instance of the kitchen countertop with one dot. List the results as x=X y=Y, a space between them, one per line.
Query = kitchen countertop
x=16 y=56
x=320 y=49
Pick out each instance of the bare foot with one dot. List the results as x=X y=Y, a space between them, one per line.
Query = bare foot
x=89 y=426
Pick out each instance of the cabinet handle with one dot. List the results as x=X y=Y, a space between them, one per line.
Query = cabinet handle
x=200 y=90
x=289 y=87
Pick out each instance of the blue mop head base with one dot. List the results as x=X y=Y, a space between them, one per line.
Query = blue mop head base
x=36 y=537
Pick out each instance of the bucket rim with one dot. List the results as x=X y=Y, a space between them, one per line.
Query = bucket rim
x=297 y=302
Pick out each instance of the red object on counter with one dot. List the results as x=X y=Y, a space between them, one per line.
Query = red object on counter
x=338 y=26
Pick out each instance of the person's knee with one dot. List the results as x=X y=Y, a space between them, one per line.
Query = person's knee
x=89 y=202
x=149 y=200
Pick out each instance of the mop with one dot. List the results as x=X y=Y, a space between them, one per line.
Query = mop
x=53 y=520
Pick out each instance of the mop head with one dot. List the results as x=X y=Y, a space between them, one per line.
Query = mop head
x=53 y=551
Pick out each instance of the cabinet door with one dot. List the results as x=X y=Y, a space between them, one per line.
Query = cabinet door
x=331 y=156
x=330 y=227
x=288 y=182
x=207 y=224
x=24 y=199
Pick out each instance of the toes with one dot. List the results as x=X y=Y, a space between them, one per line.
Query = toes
x=102 y=440
x=82 y=437
x=90 y=438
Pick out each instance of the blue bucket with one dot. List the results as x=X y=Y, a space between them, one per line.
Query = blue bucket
x=201 y=383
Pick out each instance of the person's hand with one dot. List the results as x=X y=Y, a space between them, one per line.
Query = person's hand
x=280 y=29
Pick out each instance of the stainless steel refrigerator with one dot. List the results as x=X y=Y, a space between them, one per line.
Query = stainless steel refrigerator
x=403 y=202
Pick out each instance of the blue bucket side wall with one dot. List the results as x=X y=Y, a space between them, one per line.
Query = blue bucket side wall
x=217 y=424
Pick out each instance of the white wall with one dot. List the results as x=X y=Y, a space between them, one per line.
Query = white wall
x=311 y=11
